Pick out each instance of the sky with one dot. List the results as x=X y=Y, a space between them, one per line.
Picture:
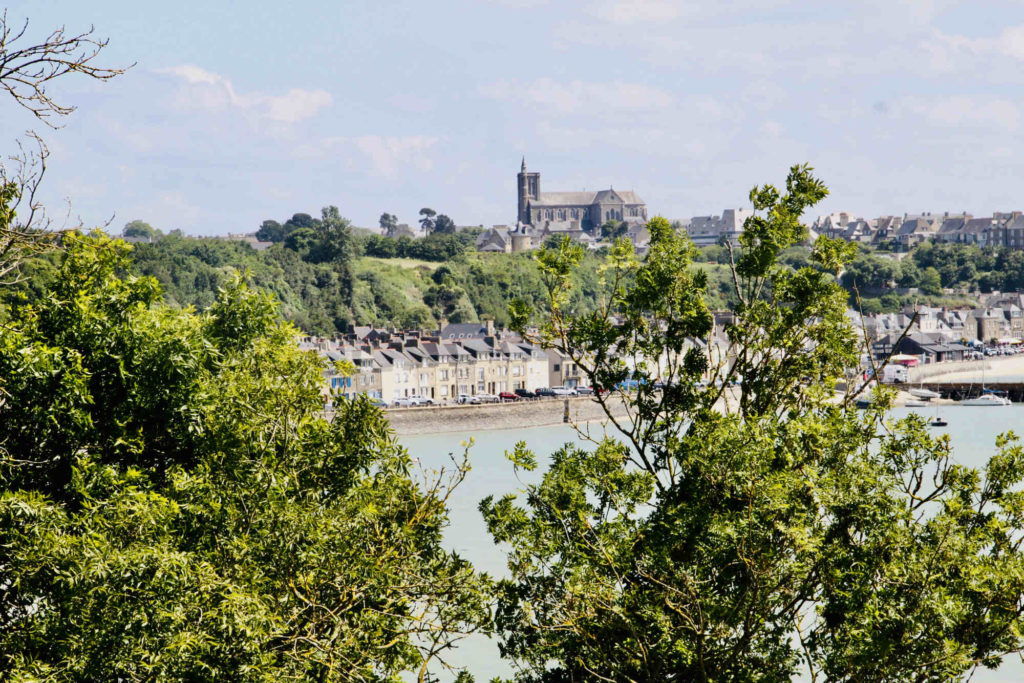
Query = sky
x=238 y=112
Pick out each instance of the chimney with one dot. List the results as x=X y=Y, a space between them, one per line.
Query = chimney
x=490 y=328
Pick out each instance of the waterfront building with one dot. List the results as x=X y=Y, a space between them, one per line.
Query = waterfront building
x=458 y=359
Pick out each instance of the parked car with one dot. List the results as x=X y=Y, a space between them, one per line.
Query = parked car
x=378 y=403
x=584 y=391
x=402 y=403
x=421 y=401
x=545 y=391
x=466 y=398
x=488 y=398
x=525 y=393
x=508 y=396
x=563 y=391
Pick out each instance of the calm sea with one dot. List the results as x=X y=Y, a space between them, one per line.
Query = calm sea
x=972 y=431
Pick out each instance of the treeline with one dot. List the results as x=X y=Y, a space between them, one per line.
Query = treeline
x=933 y=269
x=436 y=246
x=329 y=277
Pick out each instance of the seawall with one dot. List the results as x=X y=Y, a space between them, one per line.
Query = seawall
x=518 y=415
x=922 y=373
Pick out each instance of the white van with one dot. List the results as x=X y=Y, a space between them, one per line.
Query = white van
x=895 y=374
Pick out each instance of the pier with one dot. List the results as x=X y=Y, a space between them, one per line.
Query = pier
x=958 y=391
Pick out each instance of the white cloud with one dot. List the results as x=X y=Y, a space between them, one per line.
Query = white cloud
x=638 y=11
x=1011 y=42
x=204 y=89
x=957 y=111
x=388 y=154
x=772 y=129
x=521 y=4
x=574 y=96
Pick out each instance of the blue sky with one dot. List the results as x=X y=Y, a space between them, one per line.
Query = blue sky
x=237 y=112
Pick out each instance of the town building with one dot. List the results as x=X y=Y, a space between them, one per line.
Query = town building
x=574 y=211
x=707 y=230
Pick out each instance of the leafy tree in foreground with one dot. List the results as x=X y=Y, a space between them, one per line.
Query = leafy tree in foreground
x=174 y=507
x=760 y=532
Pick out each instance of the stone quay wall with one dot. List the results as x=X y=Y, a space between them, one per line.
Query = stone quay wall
x=512 y=415
x=922 y=373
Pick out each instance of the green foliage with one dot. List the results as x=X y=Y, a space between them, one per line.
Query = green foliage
x=427 y=220
x=139 y=228
x=270 y=231
x=388 y=223
x=444 y=225
x=437 y=246
x=613 y=230
x=758 y=531
x=174 y=506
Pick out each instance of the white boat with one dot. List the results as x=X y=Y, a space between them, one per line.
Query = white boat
x=926 y=394
x=911 y=403
x=987 y=400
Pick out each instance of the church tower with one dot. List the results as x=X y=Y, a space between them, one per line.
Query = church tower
x=528 y=187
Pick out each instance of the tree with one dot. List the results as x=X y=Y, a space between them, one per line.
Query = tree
x=139 y=228
x=931 y=281
x=270 y=231
x=300 y=240
x=444 y=225
x=612 y=229
x=333 y=238
x=427 y=222
x=26 y=72
x=745 y=524
x=174 y=505
x=388 y=224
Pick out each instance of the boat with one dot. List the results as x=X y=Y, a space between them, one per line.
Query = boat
x=926 y=394
x=911 y=403
x=987 y=399
x=938 y=422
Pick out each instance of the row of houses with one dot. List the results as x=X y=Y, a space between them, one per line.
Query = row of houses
x=503 y=239
x=458 y=359
x=943 y=334
x=1000 y=229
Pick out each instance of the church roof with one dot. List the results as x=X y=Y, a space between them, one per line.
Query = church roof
x=564 y=198
x=584 y=198
x=615 y=195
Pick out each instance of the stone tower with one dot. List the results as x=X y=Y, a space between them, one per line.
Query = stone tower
x=528 y=188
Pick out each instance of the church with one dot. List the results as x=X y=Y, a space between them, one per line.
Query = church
x=574 y=211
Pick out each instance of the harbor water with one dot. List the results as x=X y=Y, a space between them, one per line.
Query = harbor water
x=972 y=432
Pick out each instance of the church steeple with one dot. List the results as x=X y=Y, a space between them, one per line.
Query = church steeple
x=523 y=169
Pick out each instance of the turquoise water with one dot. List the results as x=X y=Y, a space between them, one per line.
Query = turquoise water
x=972 y=432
